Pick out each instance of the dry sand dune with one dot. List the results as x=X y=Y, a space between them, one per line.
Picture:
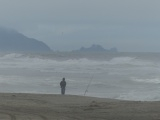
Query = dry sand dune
x=15 y=106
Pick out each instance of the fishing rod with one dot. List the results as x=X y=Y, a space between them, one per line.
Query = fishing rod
x=88 y=85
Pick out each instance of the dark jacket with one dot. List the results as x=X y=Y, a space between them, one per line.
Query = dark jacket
x=63 y=84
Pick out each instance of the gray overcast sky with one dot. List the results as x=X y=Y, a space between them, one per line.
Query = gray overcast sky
x=129 y=25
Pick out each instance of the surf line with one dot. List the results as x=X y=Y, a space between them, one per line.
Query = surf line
x=88 y=85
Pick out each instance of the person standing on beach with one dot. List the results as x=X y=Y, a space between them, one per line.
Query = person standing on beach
x=63 y=86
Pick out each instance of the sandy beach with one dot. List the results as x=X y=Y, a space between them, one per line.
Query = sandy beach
x=22 y=106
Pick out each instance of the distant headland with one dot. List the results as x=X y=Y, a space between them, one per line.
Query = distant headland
x=13 y=41
x=96 y=48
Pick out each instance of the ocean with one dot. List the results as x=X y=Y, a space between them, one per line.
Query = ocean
x=124 y=76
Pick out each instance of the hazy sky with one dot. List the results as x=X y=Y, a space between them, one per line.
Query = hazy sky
x=129 y=25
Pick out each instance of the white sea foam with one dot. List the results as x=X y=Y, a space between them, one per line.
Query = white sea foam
x=151 y=80
x=119 y=76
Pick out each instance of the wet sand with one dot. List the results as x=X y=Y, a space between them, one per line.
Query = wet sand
x=19 y=106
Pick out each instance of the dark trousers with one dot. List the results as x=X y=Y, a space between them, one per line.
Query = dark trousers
x=63 y=90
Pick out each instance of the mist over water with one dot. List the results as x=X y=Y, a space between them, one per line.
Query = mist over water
x=127 y=76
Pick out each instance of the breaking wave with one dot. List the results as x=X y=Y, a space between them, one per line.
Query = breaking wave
x=121 y=77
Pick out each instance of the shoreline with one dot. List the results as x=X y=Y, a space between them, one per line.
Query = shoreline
x=22 y=106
